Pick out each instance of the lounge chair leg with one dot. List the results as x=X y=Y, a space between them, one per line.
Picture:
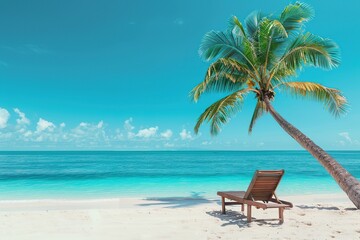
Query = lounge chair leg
x=223 y=205
x=281 y=215
x=248 y=213
x=242 y=207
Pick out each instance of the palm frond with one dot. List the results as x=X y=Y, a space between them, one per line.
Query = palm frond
x=294 y=15
x=309 y=49
x=220 y=112
x=224 y=75
x=252 y=23
x=236 y=26
x=226 y=45
x=260 y=109
x=332 y=98
x=282 y=73
x=270 y=32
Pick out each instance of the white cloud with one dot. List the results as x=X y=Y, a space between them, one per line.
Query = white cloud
x=346 y=135
x=6 y=136
x=39 y=138
x=147 y=132
x=167 y=134
x=4 y=117
x=43 y=125
x=80 y=130
x=89 y=134
x=22 y=120
x=97 y=135
x=118 y=135
x=27 y=133
x=131 y=135
x=206 y=143
x=83 y=124
x=100 y=124
x=169 y=145
x=184 y=134
x=128 y=126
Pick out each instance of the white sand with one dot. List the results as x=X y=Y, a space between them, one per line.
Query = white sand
x=313 y=217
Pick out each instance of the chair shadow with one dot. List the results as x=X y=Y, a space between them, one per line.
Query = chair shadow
x=317 y=207
x=351 y=209
x=194 y=199
x=239 y=219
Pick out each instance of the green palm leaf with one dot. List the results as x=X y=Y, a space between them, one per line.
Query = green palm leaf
x=269 y=36
x=260 y=109
x=282 y=73
x=252 y=23
x=309 y=49
x=294 y=15
x=225 y=75
x=236 y=26
x=332 y=98
x=219 y=112
x=227 y=45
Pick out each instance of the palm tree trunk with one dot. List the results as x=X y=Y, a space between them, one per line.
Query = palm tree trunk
x=346 y=181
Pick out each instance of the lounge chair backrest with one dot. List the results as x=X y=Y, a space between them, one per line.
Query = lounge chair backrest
x=263 y=185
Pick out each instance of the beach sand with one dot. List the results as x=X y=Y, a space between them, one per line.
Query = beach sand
x=313 y=217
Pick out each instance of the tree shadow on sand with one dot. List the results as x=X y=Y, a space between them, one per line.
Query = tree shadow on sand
x=319 y=207
x=351 y=209
x=194 y=199
x=239 y=219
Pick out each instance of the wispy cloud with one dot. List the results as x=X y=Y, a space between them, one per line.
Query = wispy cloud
x=167 y=134
x=44 y=125
x=129 y=128
x=86 y=135
x=128 y=125
x=347 y=140
x=169 y=145
x=346 y=135
x=27 y=49
x=36 y=49
x=185 y=135
x=4 y=117
x=205 y=143
x=147 y=132
x=22 y=120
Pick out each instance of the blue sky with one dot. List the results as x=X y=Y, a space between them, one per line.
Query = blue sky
x=115 y=75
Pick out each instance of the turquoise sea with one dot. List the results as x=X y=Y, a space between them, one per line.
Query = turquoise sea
x=68 y=175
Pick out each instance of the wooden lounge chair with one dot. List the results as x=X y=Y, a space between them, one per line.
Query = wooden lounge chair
x=260 y=194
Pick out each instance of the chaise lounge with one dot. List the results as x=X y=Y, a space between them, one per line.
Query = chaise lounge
x=260 y=194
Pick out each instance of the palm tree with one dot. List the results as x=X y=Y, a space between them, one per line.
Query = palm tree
x=261 y=57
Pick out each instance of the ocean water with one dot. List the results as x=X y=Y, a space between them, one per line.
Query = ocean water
x=76 y=175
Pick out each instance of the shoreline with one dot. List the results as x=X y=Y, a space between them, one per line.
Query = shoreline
x=177 y=150
x=335 y=196
x=319 y=216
